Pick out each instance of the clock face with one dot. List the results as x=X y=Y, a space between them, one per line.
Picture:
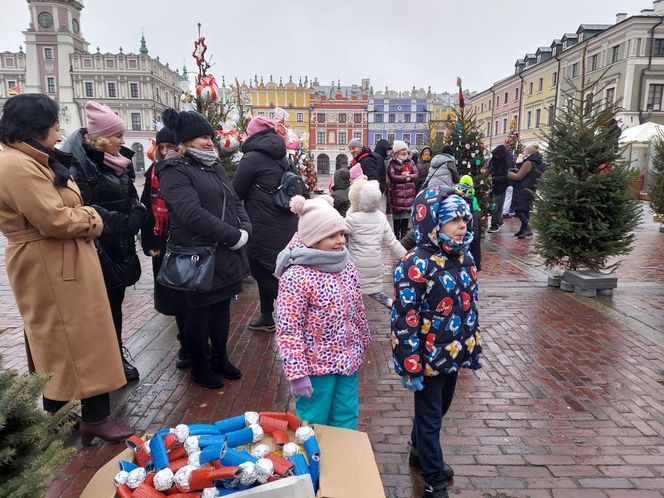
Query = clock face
x=45 y=20
x=75 y=26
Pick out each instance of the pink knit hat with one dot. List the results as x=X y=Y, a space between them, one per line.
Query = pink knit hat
x=260 y=123
x=318 y=219
x=356 y=172
x=102 y=121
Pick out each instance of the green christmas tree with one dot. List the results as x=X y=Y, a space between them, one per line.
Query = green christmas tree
x=31 y=441
x=656 y=187
x=513 y=140
x=585 y=212
x=463 y=136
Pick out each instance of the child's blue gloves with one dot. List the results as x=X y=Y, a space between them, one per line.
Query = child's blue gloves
x=412 y=383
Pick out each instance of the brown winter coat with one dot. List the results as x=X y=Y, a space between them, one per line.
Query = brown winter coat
x=55 y=275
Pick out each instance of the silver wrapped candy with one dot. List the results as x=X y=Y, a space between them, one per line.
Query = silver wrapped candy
x=264 y=470
x=136 y=477
x=181 y=432
x=290 y=449
x=250 y=418
x=195 y=459
x=121 y=477
x=247 y=473
x=209 y=493
x=260 y=451
x=191 y=445
x=303 y=433
x=163 y=480
x=258 y=432
x=182 y=478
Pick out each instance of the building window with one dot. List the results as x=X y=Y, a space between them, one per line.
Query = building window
x=655 y=97
x=419 y=139
x=342 y=138
x=406 y=118
x=575 y=70
x=112 y=90
x=488 y=131
x=320 y=118
x=495 y=127
x=50 y=84
x=540 y=84
x=552 y=114
x=482 y=107
x=516 y=94
x=497 y=100
x=391 y=118
x=594 y=62
x=378 y=118
x=300 y=117
x=357 y=134
x=342 y=118
x=420 y=117
x=538 y=115
x=610 y=96
x=406 y=138
x=271 y=115
x=89 y=90
x=658 y=47
x=615 y=53
x=390 y=137
x=11 y=84
x=136 y=121
x=529 y=120
x=320 y=138
x=530 y=88
x=133 y=90
x=554 y=79
x=48 y=53
x=377 y=137
x=357 y=118
x=261 y=113
x=504 y=125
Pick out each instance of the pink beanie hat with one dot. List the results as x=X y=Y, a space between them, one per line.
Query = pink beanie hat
x=318 y=219
x=356 y=172
x=102 y=121
x=260 y=123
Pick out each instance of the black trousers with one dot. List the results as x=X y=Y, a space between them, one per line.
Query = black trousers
x=93 y=409
x=115 y=298
x=268 y=285
x=497 y=215
x=211 y=321
x=400 y=227
x=431 y=405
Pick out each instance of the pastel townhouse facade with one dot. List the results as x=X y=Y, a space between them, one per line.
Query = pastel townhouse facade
x=442 y=106
x=337 y=115
x=294 y=98
x=540 y=79
x=482 y=105
x=57 y=62
x=506 y=104
x=399 y=116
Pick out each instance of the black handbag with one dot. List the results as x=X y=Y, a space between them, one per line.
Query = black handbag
x=189 y=268
x=118 y=273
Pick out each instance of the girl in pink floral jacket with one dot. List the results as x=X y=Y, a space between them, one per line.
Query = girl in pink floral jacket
x=322 y=329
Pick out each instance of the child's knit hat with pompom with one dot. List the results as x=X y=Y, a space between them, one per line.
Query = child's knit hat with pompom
x=318 y=219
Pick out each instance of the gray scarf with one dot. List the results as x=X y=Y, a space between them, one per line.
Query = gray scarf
x=326 y=261
x=207 y=157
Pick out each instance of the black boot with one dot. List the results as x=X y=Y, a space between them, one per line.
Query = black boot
x=221 y=365
x=130 y=371
x=414 y=461
x=264 y=323
x=436 y=491
x=205 y=377
x=183 y=360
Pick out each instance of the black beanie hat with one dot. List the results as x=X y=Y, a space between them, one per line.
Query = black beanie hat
x=167 y=136
x=187 y=124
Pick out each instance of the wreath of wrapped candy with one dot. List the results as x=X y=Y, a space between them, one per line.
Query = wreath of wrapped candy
x=209 y=460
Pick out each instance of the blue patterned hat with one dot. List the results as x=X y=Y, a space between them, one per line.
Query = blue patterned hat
x=452 y=207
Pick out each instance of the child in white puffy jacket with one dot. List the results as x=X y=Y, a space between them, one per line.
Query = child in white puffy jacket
x=370 y=236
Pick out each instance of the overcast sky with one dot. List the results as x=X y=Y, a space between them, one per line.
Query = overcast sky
x=394 y=43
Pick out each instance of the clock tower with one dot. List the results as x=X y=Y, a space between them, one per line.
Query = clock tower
x=53 y=36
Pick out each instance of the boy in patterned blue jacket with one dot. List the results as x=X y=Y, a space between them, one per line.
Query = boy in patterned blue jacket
x=434 y=322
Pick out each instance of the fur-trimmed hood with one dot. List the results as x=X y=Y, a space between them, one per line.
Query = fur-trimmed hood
x=365 y=195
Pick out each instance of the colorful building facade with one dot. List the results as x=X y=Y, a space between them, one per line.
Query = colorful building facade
x=295 y=98
x=399 y=116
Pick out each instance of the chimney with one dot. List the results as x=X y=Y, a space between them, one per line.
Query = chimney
x=620 y=17
x=658 y=7
x=647 y=12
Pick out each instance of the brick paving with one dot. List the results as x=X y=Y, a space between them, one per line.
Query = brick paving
x=570 y=402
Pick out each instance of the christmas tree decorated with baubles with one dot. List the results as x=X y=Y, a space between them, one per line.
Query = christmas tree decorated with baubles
x=513 y=140
x=463 y=136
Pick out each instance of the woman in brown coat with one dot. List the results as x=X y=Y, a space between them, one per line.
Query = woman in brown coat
x=54 y=270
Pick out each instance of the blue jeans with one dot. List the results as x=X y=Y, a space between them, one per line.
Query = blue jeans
x=334 y=401
x=524 y=216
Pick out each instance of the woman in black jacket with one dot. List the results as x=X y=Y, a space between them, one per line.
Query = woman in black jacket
x=154 y=234
x=258 y=174
x=499 y=164
x=204 y=210
x=105 y=176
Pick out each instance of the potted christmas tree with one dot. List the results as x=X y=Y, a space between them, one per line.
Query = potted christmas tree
x=656 y=187
x=585 y=213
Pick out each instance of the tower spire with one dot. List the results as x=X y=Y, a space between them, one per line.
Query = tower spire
x=144 y=48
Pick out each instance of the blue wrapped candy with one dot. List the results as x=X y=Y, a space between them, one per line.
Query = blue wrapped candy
x=159 y=453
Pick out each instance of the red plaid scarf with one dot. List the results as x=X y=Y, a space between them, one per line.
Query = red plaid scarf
x=159 y=209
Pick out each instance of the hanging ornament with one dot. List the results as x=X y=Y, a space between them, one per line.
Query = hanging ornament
x=467 y=146
x=472 y=154
x=478 y=162
x=207 y=89
x=151 y=149
x=464 y=163
x=229 y=138
x=199 y=51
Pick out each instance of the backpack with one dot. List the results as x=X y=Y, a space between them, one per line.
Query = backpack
x=291 y=184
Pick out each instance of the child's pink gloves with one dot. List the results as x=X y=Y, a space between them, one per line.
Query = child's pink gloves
x=412 y=383
x=302 y=387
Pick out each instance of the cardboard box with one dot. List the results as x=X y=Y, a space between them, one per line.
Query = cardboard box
x=347 y=470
